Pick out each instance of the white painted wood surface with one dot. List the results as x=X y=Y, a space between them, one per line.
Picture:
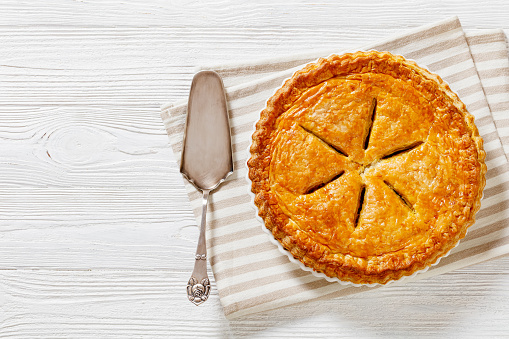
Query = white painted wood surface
x=96 y=236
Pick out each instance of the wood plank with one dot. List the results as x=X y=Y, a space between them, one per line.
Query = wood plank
x=276 y=14
x=93 y=303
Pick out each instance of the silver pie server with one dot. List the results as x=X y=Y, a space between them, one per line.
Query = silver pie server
x=206 y=160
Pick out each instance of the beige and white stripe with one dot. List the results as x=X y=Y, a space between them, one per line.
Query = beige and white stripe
x=250 y=272
x=489 y=51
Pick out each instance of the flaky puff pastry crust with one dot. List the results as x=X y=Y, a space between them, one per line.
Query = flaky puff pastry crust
x=367 y=167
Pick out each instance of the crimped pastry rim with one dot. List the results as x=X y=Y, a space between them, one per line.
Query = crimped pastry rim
x=416 y=267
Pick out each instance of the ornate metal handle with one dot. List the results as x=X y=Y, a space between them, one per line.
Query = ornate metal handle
x=198 y=287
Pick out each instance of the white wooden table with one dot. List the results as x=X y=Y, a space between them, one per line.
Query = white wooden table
x=96 y=234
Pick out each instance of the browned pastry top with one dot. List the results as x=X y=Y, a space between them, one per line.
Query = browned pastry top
x=367 y=167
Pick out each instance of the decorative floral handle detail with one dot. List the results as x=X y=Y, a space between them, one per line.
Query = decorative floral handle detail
x=198 y=292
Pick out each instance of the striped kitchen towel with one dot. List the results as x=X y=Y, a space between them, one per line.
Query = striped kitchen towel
x=251 y=274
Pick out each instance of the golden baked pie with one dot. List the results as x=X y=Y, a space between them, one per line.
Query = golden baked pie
x=367 y=167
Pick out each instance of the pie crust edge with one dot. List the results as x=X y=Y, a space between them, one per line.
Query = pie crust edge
x=275 y=220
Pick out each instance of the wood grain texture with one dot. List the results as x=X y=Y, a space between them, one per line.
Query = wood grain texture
x=96 y=234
